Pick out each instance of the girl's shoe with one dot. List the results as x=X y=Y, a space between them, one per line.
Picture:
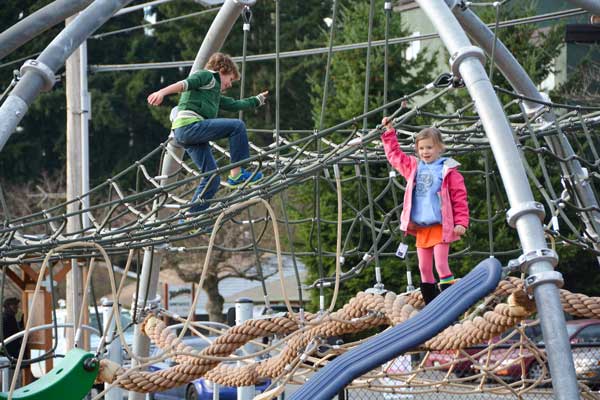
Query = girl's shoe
x=429 y=291
x=243 y=176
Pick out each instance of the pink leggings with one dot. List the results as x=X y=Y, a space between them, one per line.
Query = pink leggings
x=426 y=255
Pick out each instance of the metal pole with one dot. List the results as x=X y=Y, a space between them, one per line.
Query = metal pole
x=522 y=84
x=525 y=214
x=114 y=349
x=148 y=288
x=140 y=7
x=219 y=29
x=38 y=22
x=38 y=75
x=216 y=393
x=85 y=116
x=5 y=374
x=243 y=312
x=212 y=42
x=74 y=188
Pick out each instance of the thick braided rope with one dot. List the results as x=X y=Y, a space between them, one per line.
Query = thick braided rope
x=580 y=305
x=224 y=345
x=358 y=307
x=576 y=304
x=362 y=312
x=191 y=368
x=482 y=328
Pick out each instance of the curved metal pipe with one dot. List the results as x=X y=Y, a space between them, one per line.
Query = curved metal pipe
x=38 y=74
x=38 y=22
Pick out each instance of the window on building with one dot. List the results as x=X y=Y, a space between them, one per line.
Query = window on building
x=413 y=48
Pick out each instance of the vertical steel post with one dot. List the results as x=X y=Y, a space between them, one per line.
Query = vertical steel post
x=525 y=214
x=243 y=312
x=74 y=186
x=115 y=353
x=522 y=84
x=5 y=374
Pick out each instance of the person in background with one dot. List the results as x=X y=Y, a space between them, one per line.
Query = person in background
x=12 y=322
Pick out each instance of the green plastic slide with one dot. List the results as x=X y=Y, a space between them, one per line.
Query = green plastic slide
x=71 y=378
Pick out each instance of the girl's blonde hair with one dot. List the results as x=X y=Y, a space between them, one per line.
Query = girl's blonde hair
x=223 y=63
x=430 y=133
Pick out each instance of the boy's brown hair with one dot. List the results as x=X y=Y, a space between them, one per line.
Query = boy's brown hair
x=430 y=133
x=223 y=63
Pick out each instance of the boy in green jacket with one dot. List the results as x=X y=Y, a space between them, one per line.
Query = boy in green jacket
x=196 y=122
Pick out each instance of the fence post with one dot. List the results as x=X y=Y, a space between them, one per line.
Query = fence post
x=243 y=312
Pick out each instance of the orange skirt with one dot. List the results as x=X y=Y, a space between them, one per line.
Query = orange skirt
x=429 y=236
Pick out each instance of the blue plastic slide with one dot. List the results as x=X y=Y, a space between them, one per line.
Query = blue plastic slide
x=439 y=314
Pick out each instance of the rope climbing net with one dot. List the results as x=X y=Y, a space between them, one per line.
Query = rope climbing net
x=347 y=162
x=302 y=349
x=123 y=218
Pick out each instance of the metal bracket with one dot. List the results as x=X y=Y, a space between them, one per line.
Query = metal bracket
x=543 y=277
x=461 y=54
x=151 y=307
x=41 y=69
x=523 y=208
x=525 y=260
x=377 y=289
x=532 y=108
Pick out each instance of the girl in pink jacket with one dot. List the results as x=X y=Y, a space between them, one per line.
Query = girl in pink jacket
x=435 y=206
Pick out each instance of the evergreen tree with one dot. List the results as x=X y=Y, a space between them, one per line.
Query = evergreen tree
x=345 y=101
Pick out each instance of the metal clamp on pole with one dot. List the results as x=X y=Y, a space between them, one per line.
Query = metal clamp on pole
x=533 y=108
x=525 y=260
x=461 y=54
x=543 y=277
x=523 y=208
x=41 y=69
x=144 y=308
x=247 y=17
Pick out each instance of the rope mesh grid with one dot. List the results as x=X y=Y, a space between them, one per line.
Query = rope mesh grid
x=366 y=311
x=125 y=219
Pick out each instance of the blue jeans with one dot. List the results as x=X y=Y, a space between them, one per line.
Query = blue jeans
x=195 y=138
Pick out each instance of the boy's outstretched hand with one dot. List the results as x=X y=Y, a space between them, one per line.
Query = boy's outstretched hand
x=262 y=97
x=156 y=98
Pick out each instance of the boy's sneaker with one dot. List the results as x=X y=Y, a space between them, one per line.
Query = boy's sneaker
x=243 y=176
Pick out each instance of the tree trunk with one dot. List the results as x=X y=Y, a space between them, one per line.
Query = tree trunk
x=214 y=305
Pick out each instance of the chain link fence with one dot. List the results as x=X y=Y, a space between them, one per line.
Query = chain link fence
x=483 y=372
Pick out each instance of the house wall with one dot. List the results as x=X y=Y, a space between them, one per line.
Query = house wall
x=571 y=55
